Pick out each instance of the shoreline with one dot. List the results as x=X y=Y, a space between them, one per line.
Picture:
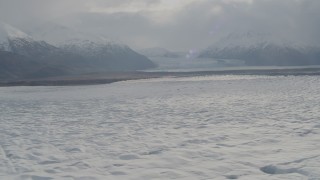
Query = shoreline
x=111 y=77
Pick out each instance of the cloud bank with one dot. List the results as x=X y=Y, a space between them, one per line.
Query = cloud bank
x=175 y=24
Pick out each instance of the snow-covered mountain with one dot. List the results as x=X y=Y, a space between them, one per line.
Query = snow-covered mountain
x=262 y=49
x=58 y=34
x=112 y=56
x=16 y=41
x=158 y=52
x=22 y=55
x=10 y=36
x=99 y=50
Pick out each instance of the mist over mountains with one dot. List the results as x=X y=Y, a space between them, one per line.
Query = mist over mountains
x=78 y=36
x=21 y=56
x=261 y=49
x=159 y=52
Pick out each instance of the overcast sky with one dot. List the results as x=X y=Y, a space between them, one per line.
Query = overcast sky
x=174 y=24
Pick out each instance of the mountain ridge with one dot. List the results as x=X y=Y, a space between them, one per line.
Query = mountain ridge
x=50 y=60
x=263 y=49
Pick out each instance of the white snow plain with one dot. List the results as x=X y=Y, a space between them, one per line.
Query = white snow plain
x=215 y=127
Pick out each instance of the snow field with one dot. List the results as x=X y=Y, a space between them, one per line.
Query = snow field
x=215 y=127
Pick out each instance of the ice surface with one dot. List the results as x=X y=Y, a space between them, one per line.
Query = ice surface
x=215 y=127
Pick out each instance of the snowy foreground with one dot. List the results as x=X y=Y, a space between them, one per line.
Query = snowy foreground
x=217 y=127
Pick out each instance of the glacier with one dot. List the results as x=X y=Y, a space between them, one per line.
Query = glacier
x=210 y=127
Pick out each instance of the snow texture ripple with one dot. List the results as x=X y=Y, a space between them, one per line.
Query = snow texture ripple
x=215 y=127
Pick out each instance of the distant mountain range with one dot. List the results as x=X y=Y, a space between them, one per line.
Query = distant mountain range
x=21 y=56
x=108 y=56
x=261 y=49
x=55 y=50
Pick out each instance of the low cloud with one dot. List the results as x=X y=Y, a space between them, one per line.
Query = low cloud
x=175 y=24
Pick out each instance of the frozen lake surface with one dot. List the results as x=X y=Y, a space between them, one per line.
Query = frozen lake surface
x=215 y=127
